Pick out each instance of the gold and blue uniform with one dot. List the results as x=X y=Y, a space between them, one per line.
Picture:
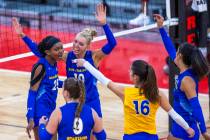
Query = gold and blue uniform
x=140 y=115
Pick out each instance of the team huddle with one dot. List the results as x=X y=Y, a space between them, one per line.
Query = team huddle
x=81 y=117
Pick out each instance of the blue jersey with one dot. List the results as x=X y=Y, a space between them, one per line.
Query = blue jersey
x=47 y=91
x=85 y=126
x=181 y=103
x=82 y=74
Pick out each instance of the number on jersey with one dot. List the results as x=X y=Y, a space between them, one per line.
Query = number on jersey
x=55 y=85
x=143 y=108
x=79 y=76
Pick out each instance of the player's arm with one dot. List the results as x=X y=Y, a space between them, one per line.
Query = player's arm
x=47 y=131
x=189 y=87
x=164 y=103
x=169 y=46
x=98 y=129
x=98 y=55
x=32 y=45
x=116 y=88
x=36 y=77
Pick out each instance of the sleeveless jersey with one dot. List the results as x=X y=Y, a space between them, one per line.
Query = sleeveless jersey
x=82 y=74
x=140 y=114
x=48 y=89
x=181 y=104
x=85 y=126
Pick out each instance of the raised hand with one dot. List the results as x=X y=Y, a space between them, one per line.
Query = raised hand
x=159 y=19
x=79 y=62
x=17 y=27
x=101 y=13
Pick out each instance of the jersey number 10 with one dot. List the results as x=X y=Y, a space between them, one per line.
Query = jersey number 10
x=79 y=76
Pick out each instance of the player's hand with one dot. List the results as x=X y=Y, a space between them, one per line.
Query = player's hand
x=101 y=13
x=30 y=127
x=190 y=132
x=206 y=136
x=159 y=19
x=43 y=120
x=17 y=27
x=79 y=62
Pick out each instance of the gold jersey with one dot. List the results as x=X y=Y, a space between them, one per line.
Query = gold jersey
x=140 y=114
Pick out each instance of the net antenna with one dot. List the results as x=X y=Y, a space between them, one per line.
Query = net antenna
x=168 y=10
x=145 y=12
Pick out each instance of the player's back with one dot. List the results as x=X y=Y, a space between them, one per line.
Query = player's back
x=85 y=126
x=139 y=113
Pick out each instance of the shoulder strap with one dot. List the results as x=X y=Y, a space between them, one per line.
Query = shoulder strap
x=39 y=76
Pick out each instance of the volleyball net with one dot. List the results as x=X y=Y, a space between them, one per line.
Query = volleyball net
x=65 y=18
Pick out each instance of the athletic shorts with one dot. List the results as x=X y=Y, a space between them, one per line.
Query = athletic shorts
x=96 y=105
x=178 y=132
x=140 y=136
x=42 y=109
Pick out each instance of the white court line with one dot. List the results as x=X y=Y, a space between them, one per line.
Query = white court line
x=14 y=72
x=169 y=22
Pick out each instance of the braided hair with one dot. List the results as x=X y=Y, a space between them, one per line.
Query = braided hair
x=76 y=90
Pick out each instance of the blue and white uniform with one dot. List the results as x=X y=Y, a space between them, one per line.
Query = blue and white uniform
x=182 y=106
x=92 y=95
x=46 y=96
x=65 y=127
x=189 y=109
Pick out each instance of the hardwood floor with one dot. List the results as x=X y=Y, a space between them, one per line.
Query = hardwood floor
x=13 y=95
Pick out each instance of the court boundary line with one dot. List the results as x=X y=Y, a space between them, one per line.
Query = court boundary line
x=64 y=77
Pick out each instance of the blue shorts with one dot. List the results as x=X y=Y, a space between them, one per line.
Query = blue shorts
x=96 y=105
x=41 y=110
x=178 y=132
x=140 y=136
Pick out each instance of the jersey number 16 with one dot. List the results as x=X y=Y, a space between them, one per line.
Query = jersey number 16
x=144 y=107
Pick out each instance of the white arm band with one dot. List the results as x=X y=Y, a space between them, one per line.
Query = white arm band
x=178 y=119
x=97 y=74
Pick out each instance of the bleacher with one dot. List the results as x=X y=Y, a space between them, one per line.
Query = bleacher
x=121 y=11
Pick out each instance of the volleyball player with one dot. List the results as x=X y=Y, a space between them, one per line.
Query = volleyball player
x=44 y=83
x=81 y=45
x=193 y=67
x=140 y=102
x=74 y=120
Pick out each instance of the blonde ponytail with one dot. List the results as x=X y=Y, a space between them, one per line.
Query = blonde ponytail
x=88 y=34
